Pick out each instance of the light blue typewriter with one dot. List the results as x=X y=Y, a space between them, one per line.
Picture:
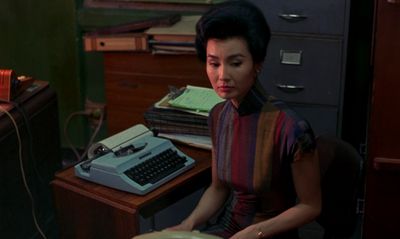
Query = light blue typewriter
x=133 y=160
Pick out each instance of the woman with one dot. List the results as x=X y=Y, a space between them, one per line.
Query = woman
x=265 y=174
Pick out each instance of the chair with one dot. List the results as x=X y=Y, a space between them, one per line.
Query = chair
x=340 y=166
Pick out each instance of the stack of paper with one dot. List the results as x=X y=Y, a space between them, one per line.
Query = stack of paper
x=176 y=121
x=177 y=38
x=121 y=32
x=182 y=115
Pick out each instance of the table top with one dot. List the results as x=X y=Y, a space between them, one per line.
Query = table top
x=26 y=95
x=199 y=174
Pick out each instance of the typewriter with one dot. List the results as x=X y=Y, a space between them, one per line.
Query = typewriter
x=133 y=160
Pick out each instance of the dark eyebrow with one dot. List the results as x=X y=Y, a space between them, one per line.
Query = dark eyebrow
x=229 y=57
x=211 y=56
x=238 y=55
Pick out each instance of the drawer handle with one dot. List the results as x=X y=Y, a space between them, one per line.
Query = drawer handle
x=292 y=17
x=386 y=164
x=289 y=87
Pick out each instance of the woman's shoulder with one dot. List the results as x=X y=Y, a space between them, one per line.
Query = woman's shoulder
x=218 y=108
x=215 y=112
x=286 y=112
x=292 y=126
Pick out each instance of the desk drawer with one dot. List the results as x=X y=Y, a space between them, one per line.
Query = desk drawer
x=305 y=16
x=303 y=70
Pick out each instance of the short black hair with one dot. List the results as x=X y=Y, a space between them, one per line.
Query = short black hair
x=237 y=18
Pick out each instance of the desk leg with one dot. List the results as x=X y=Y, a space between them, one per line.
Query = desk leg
x=85 y=215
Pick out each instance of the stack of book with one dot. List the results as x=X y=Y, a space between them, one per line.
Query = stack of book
x=154 y=5
x=127 y=36
x=177 y=38
x=182 y=115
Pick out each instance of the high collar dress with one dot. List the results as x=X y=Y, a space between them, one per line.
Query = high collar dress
x=254 y=146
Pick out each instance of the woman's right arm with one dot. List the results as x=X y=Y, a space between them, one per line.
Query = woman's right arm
x=210 y=203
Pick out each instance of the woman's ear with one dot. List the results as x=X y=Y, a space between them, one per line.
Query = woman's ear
x=258 y=68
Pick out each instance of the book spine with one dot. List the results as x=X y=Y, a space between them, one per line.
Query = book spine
x=166 y=20
x=170 y=43
x=115 y=43
x=6 y=78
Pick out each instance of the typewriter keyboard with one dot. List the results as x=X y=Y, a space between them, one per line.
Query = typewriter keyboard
x=156 y=168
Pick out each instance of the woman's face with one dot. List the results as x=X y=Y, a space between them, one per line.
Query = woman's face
x=230 y=68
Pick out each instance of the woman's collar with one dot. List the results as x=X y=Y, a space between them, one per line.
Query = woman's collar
x=254 y=100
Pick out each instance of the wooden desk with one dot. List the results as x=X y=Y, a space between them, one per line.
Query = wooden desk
x=133 y=82
x=88 y=210
x=37 y=120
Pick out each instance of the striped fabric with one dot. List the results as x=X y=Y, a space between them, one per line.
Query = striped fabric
x=254 y=146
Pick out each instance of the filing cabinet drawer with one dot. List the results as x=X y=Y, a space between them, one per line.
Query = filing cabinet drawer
x=305 y=16
x=323 y=120
x=303 y=70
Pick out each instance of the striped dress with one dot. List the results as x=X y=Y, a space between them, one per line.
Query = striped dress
x=254 y=146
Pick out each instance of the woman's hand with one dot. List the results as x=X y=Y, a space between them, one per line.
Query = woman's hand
x=183 y=226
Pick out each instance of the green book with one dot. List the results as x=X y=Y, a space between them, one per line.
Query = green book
x=196 y=98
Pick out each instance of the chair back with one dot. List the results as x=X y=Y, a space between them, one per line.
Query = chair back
x=340 y=166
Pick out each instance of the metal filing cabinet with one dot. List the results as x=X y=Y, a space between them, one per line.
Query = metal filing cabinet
x=306 y=58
